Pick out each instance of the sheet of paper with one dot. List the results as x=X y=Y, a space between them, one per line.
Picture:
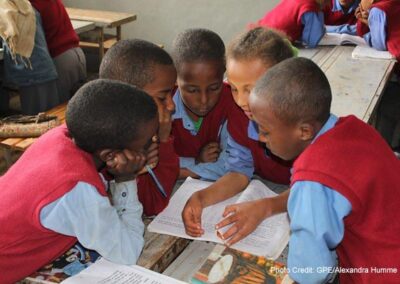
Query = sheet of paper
x=269 y=239
x=368 y=52
x=105 y=272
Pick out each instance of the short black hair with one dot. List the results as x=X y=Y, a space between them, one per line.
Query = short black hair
x=194 y=45
x=132 y=61
x=107 y=114
x=269 y=45
x=296 y=89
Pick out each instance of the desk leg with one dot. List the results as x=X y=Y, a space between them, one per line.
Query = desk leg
x=101 y=42
x=118 y=33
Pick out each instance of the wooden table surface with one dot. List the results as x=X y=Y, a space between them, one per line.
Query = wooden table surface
x=82 y=26
x=101 y=18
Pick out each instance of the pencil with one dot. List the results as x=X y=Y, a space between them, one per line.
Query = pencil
x=159 y=185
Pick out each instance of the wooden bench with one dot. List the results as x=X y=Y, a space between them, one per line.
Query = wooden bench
x=102 y=19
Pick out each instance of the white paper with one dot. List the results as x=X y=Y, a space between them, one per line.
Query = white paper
x=268 y=240
x=368 y=52
x=341 y=39
x=105 y=272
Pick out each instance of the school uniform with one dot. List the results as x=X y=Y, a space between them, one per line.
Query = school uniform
x=384 y=27
x=247 y=155
x=346 y=202
x=167 y=172
x=63 y=44
x=57 y=198
x=339 y=21
x=189 y=141
x=301 y=20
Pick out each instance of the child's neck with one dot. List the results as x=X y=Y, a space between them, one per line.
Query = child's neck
x=192 y=115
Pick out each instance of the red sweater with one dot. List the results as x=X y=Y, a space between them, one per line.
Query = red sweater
x=60 y=35
x=266 y=166
x=188 y=145
x=286 y=17
x=38 y=178
x=167 y=171
x=336 y=18
x=354 y=160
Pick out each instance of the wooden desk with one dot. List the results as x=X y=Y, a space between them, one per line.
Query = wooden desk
x=357 y=84
x=82 y=26
x=102 y=19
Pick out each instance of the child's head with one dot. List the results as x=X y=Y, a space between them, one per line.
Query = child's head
x=249 y=56
x=108 y=114
x=290 y=104
x=143 y=64
x=346 y=3
x=199 y=57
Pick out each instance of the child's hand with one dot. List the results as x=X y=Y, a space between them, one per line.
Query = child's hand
x=244 y=218
x=357 y=12
x=152 y=154
x=124 y=165
x=362 y=14
x=209 y=153
x=191 y=215
x=165 y=120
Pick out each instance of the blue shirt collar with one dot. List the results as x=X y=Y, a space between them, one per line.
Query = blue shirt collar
x=337 y=7
x=252 y=130
x=329 y=124
x=180 y=113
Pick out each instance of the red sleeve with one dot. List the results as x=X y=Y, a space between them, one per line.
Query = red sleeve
x=167 y=172
x=361 y=28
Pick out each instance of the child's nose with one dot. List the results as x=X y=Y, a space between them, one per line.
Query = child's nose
x=203 y=98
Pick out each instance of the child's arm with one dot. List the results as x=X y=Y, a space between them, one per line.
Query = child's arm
x=316 y=221
x=314 y=28
x=240 y=170
x=245 y=217
x=377 y=22
x=167 y=172
x=342 y=29
x=115 y=232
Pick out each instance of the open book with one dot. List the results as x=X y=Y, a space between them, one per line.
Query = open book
x=341 y=39
x=226 y=265
x=269 y=239
x=103 y=272
x=370 y=53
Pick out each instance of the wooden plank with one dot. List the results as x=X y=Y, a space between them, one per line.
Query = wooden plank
x=190 y=260
x=82 y=26
x=101 y=18
x=357 y=84
x=160 y=250
x=24 y=144
x=107 y=43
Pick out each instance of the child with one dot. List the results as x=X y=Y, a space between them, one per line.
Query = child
x=339 y=16
x=203 y=103
x=343 y=196
x=249 y=56
x=54 y=194
x=383 y=30
x=150 y=68
x=301 y=20
x=63 y=44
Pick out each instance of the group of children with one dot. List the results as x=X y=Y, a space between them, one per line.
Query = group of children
x=152 y=118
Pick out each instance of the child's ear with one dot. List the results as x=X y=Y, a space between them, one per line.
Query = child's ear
x=307 y=131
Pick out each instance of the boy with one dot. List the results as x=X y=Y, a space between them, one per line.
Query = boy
x=339 y=16
x=150 y=68
x=343 y=196
x=301 y=20
x=203 y=103
x=54 y=194
x=379 y=24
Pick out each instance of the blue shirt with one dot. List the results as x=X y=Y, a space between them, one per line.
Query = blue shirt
x=314 y=28
x=206 y=171
x=377 y=22
x=316 y=222
x=345 y=28
x=114 y=231
x=240 y=158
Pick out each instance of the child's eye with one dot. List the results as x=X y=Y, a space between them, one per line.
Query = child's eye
x=215 y=88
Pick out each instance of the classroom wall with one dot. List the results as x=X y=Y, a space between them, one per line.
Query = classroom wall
x=160 y=21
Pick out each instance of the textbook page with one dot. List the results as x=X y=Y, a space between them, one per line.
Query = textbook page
x=371 y=53
x=103 y=272
x=341 y=39
x=269 y=239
